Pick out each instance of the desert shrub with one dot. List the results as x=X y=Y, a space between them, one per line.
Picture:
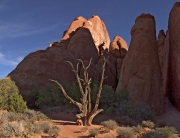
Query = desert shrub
x=148 y=124
x=136 y=110
x=46 y=125
x=151 y=134
x=12 y=129
x=53 y=131
x=9 y=117
x=26 y=124
x=36 y=128
x=29 y=116
x=126 y=121
x=93 y=132
x=7 y=130
x=126 y=132
x=10 y=98
x=110 y=124
x=32 y=116
x=167 y=131
x=137 y=129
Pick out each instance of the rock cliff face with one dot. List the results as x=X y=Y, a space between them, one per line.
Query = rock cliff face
x=80 y=41
x=118 y=48
x=149 y=71
x=163 y=51
x=174 y=56
x=140 y=72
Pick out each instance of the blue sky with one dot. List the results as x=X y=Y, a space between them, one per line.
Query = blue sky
x=30 y=25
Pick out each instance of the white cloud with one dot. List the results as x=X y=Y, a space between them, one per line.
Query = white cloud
x=9 y=62
x=19 y=30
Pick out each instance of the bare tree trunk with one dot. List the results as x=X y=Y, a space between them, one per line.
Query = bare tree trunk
x=86 y=114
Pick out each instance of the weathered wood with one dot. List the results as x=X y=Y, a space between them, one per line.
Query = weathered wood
x=86 y=114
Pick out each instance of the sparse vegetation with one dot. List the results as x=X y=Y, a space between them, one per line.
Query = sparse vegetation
x=167 y=131
x=110 y=124
x=93 y=132
x=9 y=117
x=137 y=129
x=148 y=124
x=53 y=131
x=27 y=124
x=10 y=99
x=125 y=132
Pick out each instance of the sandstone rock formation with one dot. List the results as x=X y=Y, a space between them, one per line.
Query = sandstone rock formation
x=174 y=56
x=163 y=51
x=118 y=48
x=80 y=41
x=140 y=72
x=95 y=25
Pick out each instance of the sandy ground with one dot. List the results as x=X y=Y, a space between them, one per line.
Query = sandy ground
x=65 y=119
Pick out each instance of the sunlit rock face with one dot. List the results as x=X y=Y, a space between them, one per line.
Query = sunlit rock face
x=118 y=48
x=174 y=55
x=140 y=71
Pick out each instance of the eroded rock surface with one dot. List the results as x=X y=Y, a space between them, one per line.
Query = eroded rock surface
x=118 y=49
x=163 y=51
x=140 y=72
x=174 y=55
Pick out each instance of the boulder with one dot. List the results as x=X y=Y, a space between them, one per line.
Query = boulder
x=140 y=71
x=174 y=56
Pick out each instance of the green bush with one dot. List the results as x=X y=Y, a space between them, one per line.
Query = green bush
x=16 y=103
x=148 y=124
x=125 y=132
x=110 y=124
x=52 y=96
x=109 y=99
x=138 y=111
x=10 y=99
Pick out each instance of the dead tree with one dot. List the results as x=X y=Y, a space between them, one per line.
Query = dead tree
x=87 y=113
